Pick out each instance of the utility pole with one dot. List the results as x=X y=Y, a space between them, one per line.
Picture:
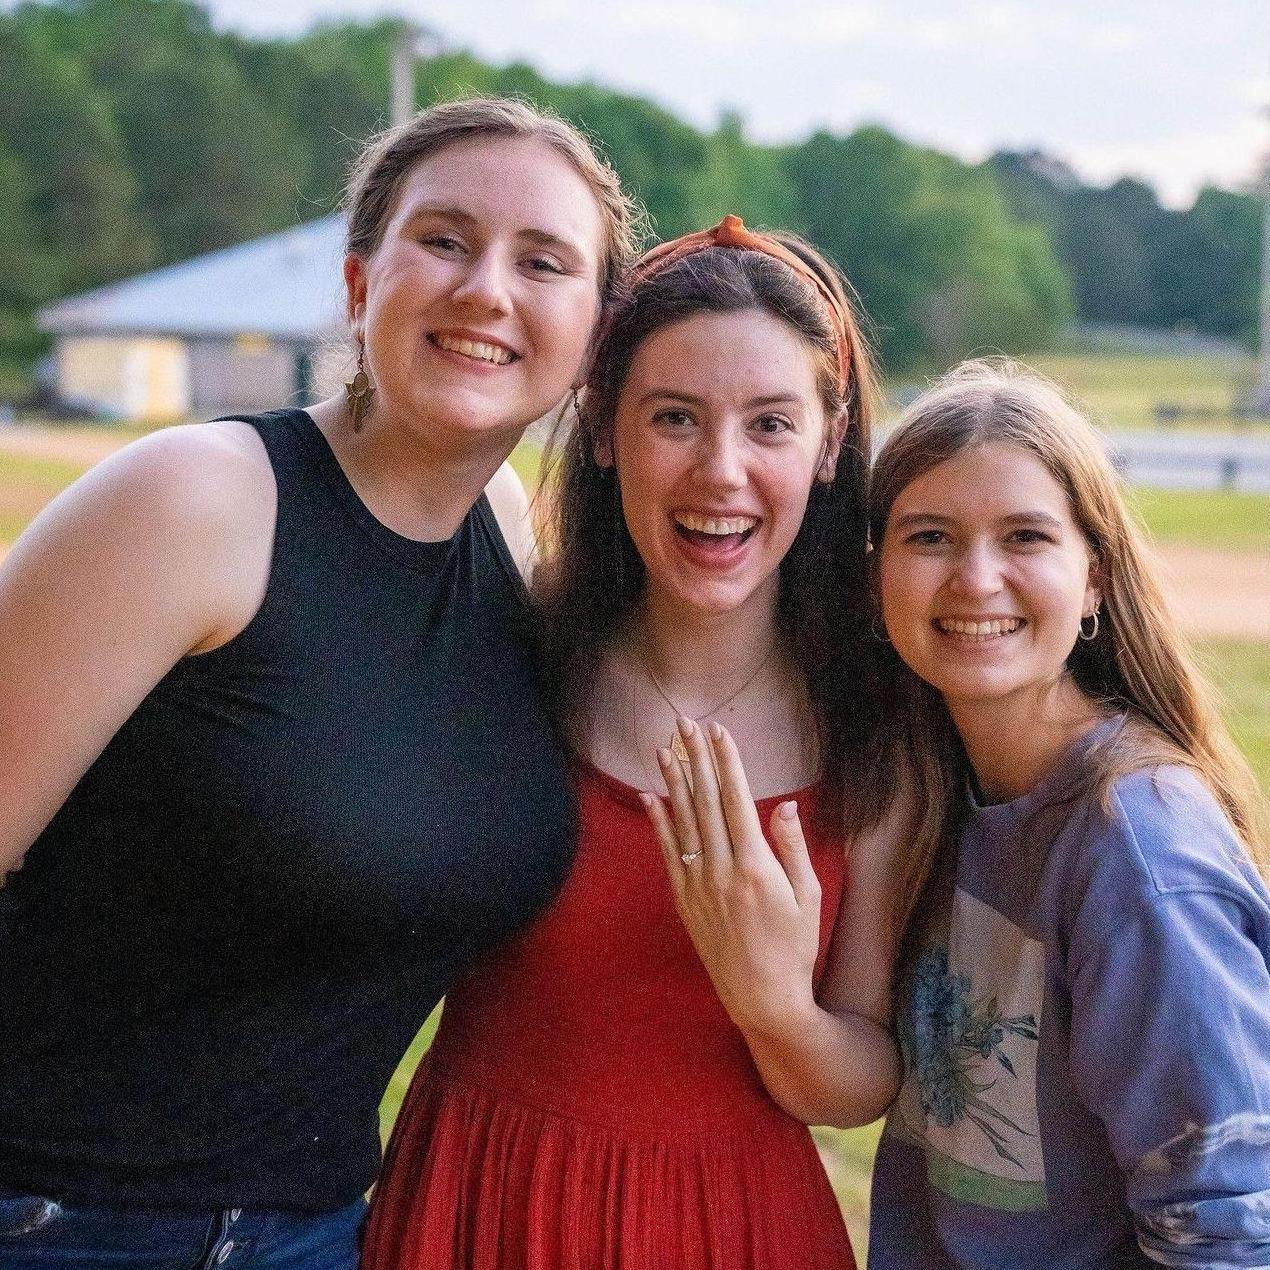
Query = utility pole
x=411 y=43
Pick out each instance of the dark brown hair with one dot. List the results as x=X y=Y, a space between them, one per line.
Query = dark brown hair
x=387 y=159
x=592 y=575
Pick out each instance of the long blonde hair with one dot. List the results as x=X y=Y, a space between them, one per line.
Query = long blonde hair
x=1138 y=663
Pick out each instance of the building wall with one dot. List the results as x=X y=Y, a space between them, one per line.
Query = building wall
x=157 y=380
x=249 y=373
x=143 y=378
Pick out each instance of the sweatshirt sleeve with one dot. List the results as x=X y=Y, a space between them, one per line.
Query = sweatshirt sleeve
x=1170 y=1046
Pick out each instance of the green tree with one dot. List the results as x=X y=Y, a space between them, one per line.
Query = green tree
x=750 y=180
x=929 y=243
x=658 y=156
x=28 y=273
x=73 y=198
x=132 y=133
x=1132 y=260
x=332 y=87
x=214 y=163
x=1208 y=269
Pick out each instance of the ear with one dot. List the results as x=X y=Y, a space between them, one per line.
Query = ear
x=355 y=288
x=1093 y=587
x=834 y=433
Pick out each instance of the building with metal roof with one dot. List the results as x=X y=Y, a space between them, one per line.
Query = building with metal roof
x=245 y=328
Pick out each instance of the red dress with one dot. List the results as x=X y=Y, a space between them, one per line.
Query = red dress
x=589 y=1105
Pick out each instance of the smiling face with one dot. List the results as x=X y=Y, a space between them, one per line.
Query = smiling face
x=478 y=305
x=718 y=436
x=984 y=576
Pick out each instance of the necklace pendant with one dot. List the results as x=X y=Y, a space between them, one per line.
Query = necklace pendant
x=678 y=748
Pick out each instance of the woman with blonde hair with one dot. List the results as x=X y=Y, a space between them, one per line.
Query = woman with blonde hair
x=262 y=682
x=1084 y=999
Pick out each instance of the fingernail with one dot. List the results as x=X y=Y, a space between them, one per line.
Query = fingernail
x=716 y=731
x=789 y=810
x=663 y=757
x=685 y=728
x=646 y=799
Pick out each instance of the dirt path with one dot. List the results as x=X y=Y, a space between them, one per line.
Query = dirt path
x=1216 y=594
x=1220 y=594
x=78 y=445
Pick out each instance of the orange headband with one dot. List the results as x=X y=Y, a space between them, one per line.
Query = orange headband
x=731 y=232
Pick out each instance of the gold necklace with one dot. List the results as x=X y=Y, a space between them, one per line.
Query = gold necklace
x=677 y=747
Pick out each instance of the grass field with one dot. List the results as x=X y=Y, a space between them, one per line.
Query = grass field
x=1125 y=391
x=26 y=484
x=1223 y=520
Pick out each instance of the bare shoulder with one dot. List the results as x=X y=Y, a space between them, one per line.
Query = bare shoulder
x=510 y=504
x=195 y=472
x=184 y=515
x=161 y=550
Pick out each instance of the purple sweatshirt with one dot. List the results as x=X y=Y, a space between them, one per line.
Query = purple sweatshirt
x=1086 y=1034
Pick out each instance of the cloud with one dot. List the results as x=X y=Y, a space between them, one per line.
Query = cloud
x=709 y=22
x=1254 y=90
x=1164 y=88
x=1115 y=37
x=1179 y=163
x=756 y=27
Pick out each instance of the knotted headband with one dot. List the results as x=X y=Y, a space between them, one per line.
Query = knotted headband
x=731 y=232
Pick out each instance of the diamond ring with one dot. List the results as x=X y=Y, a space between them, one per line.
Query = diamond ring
x=689 y=856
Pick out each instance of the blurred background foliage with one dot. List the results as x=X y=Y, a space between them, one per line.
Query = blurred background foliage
x=133 y=135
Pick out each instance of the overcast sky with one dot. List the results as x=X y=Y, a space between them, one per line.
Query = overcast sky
x=1170 y=90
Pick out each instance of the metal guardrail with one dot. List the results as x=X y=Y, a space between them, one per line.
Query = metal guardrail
x=1193 y=460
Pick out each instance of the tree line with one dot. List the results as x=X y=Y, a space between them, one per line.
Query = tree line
x=133 y=135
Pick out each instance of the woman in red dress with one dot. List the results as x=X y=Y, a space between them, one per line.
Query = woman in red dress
x=627 y=1085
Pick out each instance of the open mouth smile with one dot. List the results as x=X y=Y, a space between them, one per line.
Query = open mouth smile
x=994 y=628
x=477 y=350
x=717 y=533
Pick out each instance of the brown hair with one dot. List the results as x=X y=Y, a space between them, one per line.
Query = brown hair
x=1137 y=663
x=592 y=575
x=384 y=163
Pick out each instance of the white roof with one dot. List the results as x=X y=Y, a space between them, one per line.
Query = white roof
x=287 y=285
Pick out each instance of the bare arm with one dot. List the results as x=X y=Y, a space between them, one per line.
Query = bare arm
x=841 y=1057
x=161 y=550
x=753 y=911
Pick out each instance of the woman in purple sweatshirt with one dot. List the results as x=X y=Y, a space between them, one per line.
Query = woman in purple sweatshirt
x=1084 y=1000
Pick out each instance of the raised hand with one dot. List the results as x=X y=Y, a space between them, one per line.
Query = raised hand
x=751 y=907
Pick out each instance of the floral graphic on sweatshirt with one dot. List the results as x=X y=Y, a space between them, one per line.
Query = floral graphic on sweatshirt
x=947 y=1036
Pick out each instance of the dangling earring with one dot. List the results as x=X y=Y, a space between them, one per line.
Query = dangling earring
x=577 y=407
x=359 y=390
x=1093 y=633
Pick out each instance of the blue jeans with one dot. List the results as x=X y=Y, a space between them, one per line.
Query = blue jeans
x=38 y=1233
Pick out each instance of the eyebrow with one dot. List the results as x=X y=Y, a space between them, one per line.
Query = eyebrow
x=673 y=394
x=1015 y=518
x=541 y=237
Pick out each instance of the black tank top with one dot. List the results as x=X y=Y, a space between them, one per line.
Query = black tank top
x=217 y=952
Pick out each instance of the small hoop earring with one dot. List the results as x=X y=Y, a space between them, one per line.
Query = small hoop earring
x=359 y=390
x=880 y=635
x=1093 y=632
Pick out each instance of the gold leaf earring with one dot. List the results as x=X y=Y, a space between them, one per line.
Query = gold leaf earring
x=359 y=390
